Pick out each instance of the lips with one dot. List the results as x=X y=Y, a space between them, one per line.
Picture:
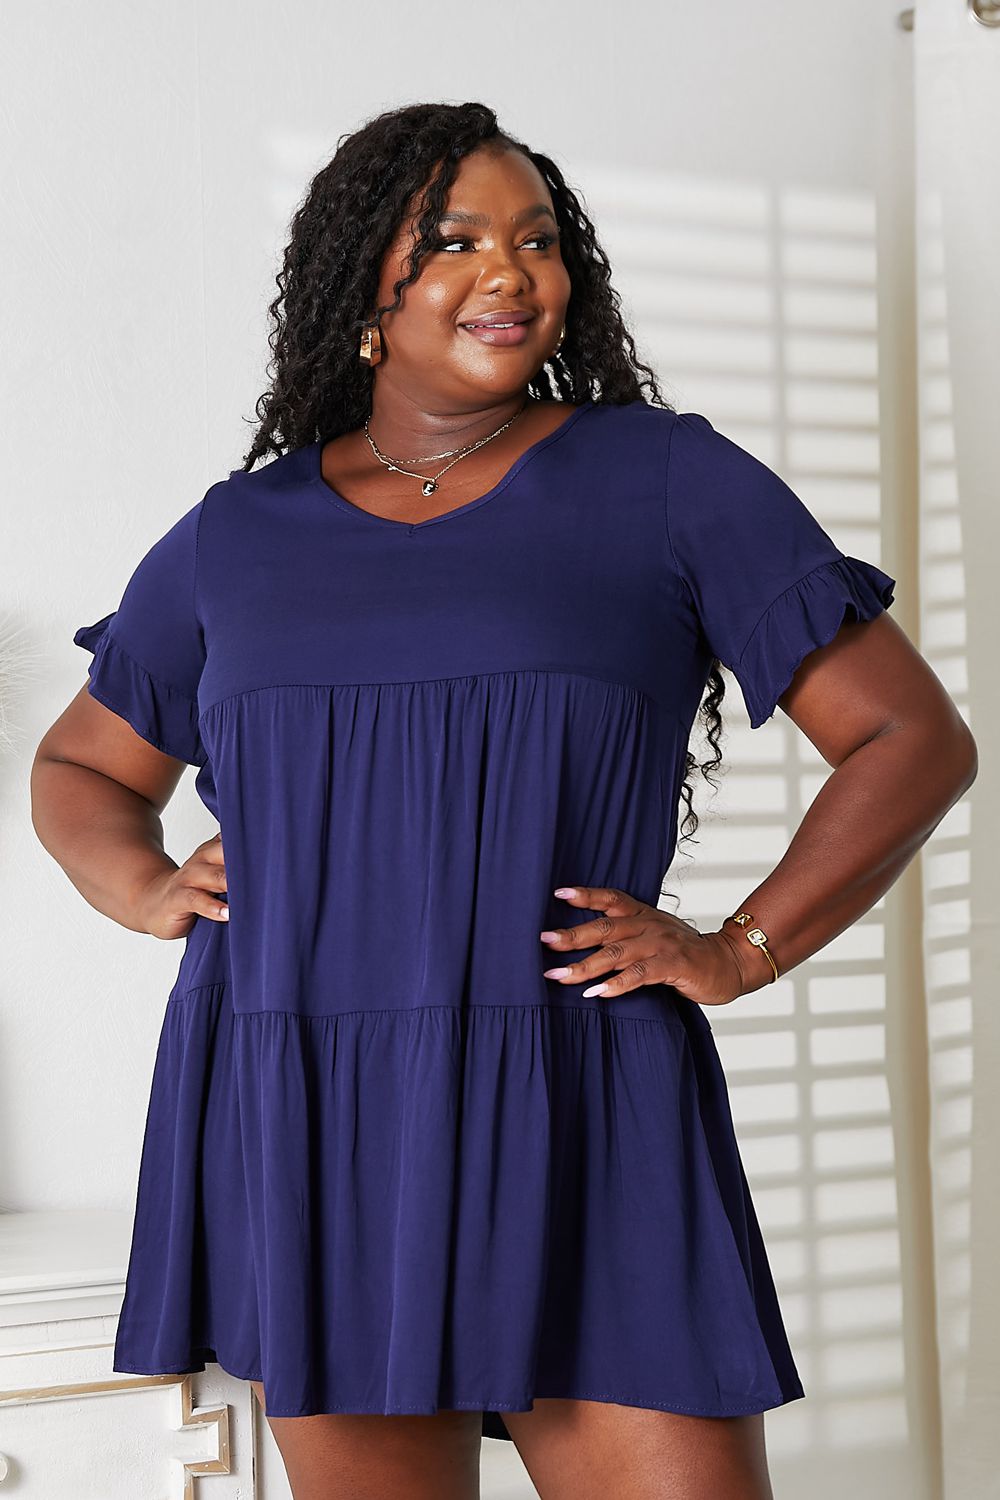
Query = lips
x=490 y=320
x=496 y=335
x=500 y=329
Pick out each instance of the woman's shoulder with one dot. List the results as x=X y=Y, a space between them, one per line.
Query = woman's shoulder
x=244 y=494
x=637 y=418
x=286 y=468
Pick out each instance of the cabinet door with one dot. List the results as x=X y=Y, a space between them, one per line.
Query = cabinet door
x=72 y=1429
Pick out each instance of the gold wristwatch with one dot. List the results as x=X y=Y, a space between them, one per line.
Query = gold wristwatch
x=755 y=935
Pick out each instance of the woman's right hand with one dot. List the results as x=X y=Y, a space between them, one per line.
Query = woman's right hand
x=169 y=904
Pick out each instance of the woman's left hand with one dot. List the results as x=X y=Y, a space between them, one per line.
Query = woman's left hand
x=642 y=945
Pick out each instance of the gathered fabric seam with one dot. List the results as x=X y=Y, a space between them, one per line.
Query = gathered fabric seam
x=393 y=1010
x=625 y=687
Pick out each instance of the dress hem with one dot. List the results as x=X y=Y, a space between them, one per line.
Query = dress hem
x=763 y=1404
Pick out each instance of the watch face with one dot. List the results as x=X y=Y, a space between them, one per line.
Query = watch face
x=756 y=936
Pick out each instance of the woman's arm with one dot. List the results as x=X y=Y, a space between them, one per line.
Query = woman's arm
x=97 y=792
x=903 y=756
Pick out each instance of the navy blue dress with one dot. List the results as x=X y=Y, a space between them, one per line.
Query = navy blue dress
x=387 y=1166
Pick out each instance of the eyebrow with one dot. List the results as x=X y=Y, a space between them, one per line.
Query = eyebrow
x=535 y=211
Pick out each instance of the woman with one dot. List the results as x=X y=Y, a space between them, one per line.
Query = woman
x=437 y=1129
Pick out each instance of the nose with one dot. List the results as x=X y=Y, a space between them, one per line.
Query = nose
x=503 y=270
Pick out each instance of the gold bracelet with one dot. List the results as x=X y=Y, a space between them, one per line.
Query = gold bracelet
x=755 y=935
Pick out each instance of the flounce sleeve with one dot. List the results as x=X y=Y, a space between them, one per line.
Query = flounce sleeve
x=148 y=655
x=164 y=717
x=805 y=616
x=767 y=583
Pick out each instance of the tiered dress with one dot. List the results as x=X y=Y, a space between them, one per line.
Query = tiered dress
x=387 y=1166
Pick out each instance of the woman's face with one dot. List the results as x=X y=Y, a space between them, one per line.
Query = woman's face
x=497 y=251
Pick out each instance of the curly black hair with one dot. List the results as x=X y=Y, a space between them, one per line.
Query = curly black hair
x=339 y=235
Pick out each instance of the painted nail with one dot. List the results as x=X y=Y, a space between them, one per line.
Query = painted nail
x=549 y=937
x=556 y=973
x=565 y=890
x=595 y=989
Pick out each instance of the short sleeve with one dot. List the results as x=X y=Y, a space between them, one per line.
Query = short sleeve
x=150 y=652
x=768 y=584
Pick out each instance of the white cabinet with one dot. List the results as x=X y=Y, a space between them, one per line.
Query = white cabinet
x=73 y=1429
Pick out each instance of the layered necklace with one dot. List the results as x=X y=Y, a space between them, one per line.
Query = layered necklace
x=455 y=454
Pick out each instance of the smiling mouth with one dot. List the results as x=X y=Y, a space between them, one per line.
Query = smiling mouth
x=499 y=335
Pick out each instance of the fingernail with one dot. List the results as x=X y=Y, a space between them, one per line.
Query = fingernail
x=595 y=989
x=556 y=973
x=549 y=937
x=565 y=890
x=224 y=913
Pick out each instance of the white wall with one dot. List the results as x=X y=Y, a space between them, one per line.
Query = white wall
x=748 y=170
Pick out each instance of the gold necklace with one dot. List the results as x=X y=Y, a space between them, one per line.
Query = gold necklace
x=430 y=485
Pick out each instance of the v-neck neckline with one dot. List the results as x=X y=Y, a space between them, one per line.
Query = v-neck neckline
x=339 y=500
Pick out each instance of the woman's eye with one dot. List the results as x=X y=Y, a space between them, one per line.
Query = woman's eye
x=545 y=239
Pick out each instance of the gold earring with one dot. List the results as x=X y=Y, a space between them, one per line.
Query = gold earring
x=561 y=337
x=371 y=345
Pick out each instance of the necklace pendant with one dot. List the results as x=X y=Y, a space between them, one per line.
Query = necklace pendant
x=430 y=485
